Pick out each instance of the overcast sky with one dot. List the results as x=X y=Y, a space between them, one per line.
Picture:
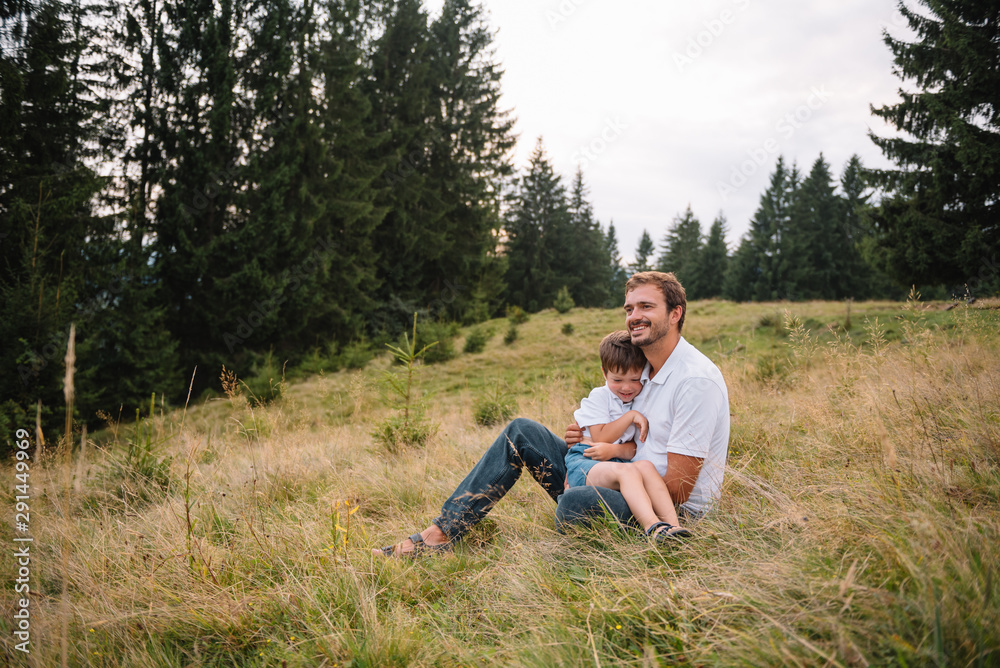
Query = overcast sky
x=667 y=103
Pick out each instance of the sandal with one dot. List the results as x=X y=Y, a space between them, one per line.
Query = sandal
x=667 y=533
x=419 y=548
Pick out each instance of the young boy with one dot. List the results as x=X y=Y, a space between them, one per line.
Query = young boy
x=610 y=424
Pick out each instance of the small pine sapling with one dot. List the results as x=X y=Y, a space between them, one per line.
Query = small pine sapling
x=410 y=428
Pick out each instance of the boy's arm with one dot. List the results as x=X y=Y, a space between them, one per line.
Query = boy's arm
x=612 y=431
x=602 y=451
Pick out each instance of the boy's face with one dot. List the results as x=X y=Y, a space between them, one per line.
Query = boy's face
x=624 y=384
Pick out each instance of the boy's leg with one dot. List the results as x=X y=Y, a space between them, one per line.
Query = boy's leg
x=628 y=479
x=522 y=444
x=656 y=489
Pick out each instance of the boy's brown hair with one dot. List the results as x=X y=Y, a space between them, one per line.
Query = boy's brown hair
x=619 y=354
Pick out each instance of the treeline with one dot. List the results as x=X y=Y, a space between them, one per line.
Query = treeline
x=808 y=239
x=552 y=242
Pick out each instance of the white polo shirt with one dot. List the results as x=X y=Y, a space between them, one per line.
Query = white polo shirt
x=603 y=407
x=687 y=405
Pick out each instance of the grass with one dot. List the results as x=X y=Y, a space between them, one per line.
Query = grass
x=859 y=523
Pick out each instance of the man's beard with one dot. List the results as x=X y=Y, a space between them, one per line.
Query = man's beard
x=652 y=334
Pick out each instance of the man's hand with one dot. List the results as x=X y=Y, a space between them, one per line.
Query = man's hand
x=574 y=434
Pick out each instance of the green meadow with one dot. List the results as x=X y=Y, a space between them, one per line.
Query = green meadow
x=859 y=522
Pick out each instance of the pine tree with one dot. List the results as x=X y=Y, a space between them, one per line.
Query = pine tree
x=938 y=222
x=310 y=210
x=469 y=159
x=588 y=269
x=47 y=197
x=616 y=285
x=132 y=38
x=279 y=211
x=344 y=179
x=132 y=352
x=643 y=254
x=767 y=236
x=410 y=238
x=713 y=260
x=856 y=197
x=680 y=249
x=816 y=248
x=126 y=351
x=206 y=255
x=742 y=273
x=537 y=228
x=867 y=279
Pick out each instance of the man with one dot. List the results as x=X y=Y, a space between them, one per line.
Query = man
x=684 y=397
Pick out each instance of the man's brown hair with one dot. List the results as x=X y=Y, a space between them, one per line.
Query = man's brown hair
x=668 y=284
x=619 y=354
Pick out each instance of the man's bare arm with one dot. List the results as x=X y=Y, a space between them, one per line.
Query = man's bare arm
x=682 y=472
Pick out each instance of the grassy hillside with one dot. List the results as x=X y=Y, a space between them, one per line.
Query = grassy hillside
x=859 y=523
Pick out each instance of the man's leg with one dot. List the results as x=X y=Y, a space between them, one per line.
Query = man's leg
x=523 y=443
x=580 y=505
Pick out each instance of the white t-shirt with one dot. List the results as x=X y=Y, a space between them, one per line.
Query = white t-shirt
x=687 y=405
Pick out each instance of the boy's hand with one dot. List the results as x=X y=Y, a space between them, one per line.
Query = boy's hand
x=640 y=421
x=574 y=434
x=602 y=452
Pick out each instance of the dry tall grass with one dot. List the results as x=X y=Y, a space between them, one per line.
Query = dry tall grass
x=858 y=526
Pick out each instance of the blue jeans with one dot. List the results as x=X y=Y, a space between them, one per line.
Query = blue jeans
x=578 y=466
x=526 y=444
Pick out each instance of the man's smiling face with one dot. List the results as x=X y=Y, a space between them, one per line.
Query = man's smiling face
x=646 y=316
